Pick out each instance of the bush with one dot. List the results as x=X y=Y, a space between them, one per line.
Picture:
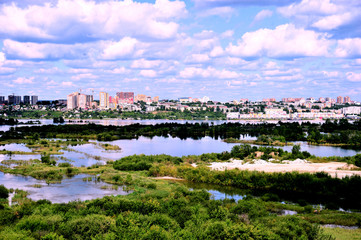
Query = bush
x=4 y=192
x=65 y=164
x=87 y=227
x=358 y=160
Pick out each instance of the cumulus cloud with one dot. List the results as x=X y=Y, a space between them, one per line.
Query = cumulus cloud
x=126 y=47
x=6 y=70
x=225 y=11
x=197 y=58
x=67 y=84
x=283 y=41
x=119 y=70
x=83 y=20
x=193 y=72
x=148 y=73
x=262 y=15
x=216 y=3
x=30 y=50
x=23 y=80
x=353 y=77
x=84 y=76
x=340 y=17
x=350 y=47
x=143 y=63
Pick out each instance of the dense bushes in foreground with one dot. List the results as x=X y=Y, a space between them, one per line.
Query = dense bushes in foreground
x=177 y=213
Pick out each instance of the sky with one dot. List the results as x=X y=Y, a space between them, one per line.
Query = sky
x=223 y=49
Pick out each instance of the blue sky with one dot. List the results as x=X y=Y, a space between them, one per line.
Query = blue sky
x=224 y=49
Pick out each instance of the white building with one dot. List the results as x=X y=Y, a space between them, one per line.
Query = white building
x=351 y=110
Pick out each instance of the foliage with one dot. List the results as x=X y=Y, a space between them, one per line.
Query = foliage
x=4 y=192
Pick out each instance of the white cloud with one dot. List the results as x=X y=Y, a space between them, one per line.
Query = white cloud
x=6 y=70
x=23 y=80
x=68 y=84
x=353 y=77
x=197 y=58
x=193 y=72
x=325 y=14
x=84 y=76
x=262 y=15
x=2 y=58
x=350 y=47
x=284 y=41
x=148 y=73
x=307 y=7
x=216 y=51
x=218 y=11
x=48 y=70
x=126 y=47
x=143 y=63
x=83 y=20
x=29 y=50
x=120 y=70
x=227 y=34
x=333 y=21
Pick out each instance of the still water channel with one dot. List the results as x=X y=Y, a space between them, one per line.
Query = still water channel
x=70 y=189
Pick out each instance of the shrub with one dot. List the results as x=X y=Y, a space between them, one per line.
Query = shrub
x=4 y=192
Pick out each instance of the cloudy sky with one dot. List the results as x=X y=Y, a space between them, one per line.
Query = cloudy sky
x=224 y=49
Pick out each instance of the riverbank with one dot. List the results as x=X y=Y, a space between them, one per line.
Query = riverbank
x=335 y=169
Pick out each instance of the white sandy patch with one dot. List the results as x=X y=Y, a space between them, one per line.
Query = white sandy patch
x=335 y=169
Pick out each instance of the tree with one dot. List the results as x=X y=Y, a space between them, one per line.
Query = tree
x=296 y=149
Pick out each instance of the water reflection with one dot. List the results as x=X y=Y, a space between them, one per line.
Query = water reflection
x=70 y=189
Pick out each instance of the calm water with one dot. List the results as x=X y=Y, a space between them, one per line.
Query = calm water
x=120 y=122
x=89 y=154
x=70 y=189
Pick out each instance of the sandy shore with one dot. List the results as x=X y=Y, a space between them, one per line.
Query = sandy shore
x=335 y=169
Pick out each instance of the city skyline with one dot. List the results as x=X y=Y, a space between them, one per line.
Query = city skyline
x=224 y=49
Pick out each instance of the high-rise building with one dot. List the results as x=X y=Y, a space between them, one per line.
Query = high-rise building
x=34 y=100
x=26 y=100
x=103 y=100
x=72 y=101
x=12 y=99
x=125 y=97
x=112 y=102
x=89 y=100
x=2 y=99
x=140 y=97
x=347 y=99
x=81 y=101
x=78 y=100
x=339 y=99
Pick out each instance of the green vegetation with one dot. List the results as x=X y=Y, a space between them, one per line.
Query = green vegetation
x=159 y=210
x=343 y=234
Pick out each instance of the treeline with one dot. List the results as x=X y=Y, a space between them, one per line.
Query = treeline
x=10 y=121
x=177 y=213
x=340 y=132
x=291 y=131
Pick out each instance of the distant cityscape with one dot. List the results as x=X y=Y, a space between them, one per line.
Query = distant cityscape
x=267 y=108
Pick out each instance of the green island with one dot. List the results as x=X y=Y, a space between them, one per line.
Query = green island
x=161 y=204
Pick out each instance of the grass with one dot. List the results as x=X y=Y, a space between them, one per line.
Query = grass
x=109 y=147
x=334 y=217
x=343 y=234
